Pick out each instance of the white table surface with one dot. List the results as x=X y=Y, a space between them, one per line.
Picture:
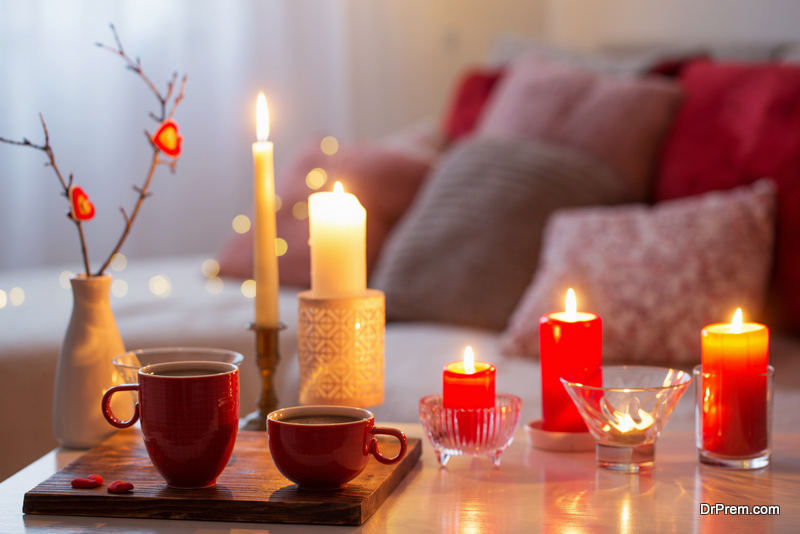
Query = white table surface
x=531 y=491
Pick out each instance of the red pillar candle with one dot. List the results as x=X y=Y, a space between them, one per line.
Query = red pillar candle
x=570 y=344
x=735 y=358
x=468 y=384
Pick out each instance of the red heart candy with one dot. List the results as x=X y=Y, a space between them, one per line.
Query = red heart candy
x=118 y=486
x=88 y=482
x=168 y=139
x=80 y=208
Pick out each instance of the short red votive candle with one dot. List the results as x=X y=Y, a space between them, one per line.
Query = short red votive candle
x=735 y=358
x=468 y=385
x=570 y=346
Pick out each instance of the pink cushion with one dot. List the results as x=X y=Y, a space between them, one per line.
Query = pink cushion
x=655 y=275
x=385 y=181
x=619 y=120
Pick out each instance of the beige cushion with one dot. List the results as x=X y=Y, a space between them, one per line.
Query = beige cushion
x=467 y=248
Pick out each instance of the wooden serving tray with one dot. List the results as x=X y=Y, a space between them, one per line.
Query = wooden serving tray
x=250 y=488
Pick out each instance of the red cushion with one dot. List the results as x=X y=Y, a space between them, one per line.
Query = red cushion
x=739 y=123
x=473 y=91
x=384 y=181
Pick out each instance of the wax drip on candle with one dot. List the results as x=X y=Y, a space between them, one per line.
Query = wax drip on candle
x=736 y=323
x=571 y=306
x=262 y=119
x=469 y=361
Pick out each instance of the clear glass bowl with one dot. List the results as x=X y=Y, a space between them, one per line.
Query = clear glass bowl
x=129 y=363
x=480 y=431
x=628 y=412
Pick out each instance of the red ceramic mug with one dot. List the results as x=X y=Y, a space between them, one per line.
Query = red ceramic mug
x=190 y=418
x=323 y=447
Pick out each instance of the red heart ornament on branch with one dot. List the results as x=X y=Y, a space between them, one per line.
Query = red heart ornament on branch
x=81 y=209
x=168 y=139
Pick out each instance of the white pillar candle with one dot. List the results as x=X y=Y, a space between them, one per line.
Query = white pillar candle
x=265 y=266
x=338 y=239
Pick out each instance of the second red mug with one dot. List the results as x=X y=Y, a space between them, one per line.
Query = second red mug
x=323 y=447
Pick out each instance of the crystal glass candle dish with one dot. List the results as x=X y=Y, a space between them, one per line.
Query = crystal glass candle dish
x=129 y=363
x=479 y=431
x=627 y=413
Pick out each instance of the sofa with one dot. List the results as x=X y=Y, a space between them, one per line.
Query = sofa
x=420 y=340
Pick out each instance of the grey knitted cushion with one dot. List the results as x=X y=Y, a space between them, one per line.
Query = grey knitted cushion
x=467 y=248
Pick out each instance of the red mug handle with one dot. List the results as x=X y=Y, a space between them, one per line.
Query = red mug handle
x=109 y=415
x=373 y=448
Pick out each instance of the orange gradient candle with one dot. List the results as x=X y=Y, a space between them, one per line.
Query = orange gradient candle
x=735 y=357
x=570 y=346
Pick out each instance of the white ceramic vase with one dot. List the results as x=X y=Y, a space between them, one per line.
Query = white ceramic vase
x=85 y=370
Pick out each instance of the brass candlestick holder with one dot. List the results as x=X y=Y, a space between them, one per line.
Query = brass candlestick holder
x=341 y=349
x=267 y=357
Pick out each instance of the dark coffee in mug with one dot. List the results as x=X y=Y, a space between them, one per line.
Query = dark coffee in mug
x=322 y=419
x=186 y=372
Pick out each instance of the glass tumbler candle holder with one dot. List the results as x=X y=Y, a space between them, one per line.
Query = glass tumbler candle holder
x=478 y=431
x=734 y=418
x=627 y=413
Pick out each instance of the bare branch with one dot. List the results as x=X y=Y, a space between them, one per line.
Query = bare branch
x=171 y=85
x=171 y=163
x=46 y=133
x=150 y=140
x=24 y=142
x=116 y=38
x=178 y=98
x=143 y=193
x=135 y=66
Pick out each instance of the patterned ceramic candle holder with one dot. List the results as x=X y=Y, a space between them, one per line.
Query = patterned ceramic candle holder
x=341 y=349
x=627 y=413
x=476 y=431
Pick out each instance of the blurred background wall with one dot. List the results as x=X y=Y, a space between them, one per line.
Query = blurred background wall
x=354 y=69
x=588 y=24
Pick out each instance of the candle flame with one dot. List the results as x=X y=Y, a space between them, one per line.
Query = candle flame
x=625 y=423
x=338 y=187
x=571 y=306
x=469 y=361
x=262 y=119
x=736 y=323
